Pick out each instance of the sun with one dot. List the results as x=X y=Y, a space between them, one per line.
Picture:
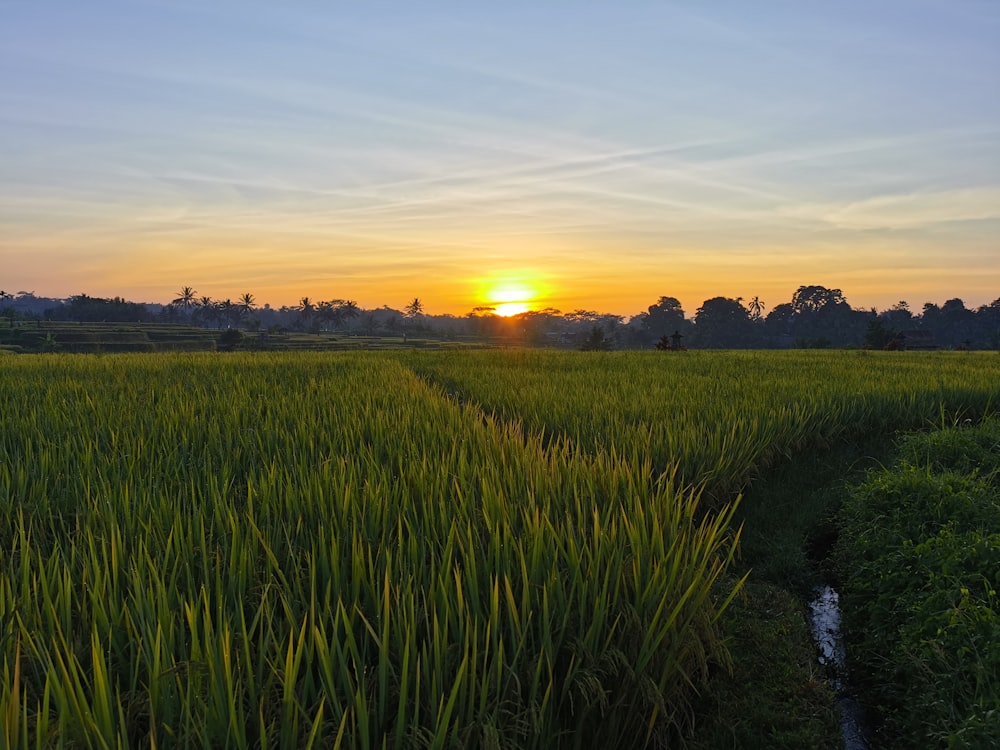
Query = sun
x=506 y=309
x=510 y=297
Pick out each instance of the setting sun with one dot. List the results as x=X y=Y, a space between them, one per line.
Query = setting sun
x=510 y=297
x=507 y=309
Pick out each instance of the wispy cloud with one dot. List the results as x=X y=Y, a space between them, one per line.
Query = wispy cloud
x=905 y=211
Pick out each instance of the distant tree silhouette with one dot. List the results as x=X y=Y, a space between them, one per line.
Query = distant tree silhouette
x=414 y=308
x=898 y=317
x=229 y=312
x=185 y=300
x=582 y=316
x=812 y=299
x=955 y=323
x=596 y=341
x=89 y=309
x=337 y=311
x=349 y=309
x=778 y=323
x=306 y=313
x=664 y=316
x=206 y=311
x=722 y=322
x=880 y=336
x=822 y=317
x=247 y=303
x=989 y=323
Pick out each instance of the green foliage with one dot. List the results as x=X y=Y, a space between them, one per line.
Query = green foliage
x=329 y=550
x=714 y=418
x=50 y=344
x=920 y=559
x=878 y=335
x=306 y=550
x=230 y=339
x=777 y=697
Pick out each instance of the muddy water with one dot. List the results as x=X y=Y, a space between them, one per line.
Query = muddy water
x=824 y=622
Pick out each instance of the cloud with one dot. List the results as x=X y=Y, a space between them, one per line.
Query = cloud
x=904 y=211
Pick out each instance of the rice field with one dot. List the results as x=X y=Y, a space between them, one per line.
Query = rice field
x=418 y=549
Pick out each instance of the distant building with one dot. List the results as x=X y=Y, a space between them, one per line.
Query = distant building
x=916 y=341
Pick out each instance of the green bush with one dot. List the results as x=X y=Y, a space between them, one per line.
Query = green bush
x=919 y=554
x=973 y=451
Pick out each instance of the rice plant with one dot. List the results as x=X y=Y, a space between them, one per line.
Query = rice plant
x=383 y=550
x=298 y=551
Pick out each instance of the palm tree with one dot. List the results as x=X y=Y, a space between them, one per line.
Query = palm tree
x=349 y=309
x=247 y=303
x=205 y=309
x=306 y=310
x=202 y=306
x=229 y=312
x=185 y=299
x=327 y=311
x=756 y=307
x=414 y=308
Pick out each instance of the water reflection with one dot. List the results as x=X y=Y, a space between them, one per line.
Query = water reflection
x=824 y=622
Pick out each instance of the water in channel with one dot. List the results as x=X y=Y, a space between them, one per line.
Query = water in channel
x=824 y=622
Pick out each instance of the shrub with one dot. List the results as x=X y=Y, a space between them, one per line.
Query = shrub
x=919 y=554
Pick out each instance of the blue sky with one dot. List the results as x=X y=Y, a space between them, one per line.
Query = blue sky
x=601 y=154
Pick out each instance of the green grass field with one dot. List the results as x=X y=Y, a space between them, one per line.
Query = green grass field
x=401 y=549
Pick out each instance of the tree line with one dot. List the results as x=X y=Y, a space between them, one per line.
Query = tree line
x=815 y=317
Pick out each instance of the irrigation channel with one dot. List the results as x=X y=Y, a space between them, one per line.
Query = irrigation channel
x=824 y=623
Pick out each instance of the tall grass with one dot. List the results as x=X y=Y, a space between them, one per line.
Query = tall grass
x=317 y=551
x=716 y=419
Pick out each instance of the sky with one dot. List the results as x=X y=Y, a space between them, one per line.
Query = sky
x=594 y=155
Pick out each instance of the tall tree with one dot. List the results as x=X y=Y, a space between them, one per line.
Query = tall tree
x=723 y=323
x=230 y=312
x=814 y=299
x=185 y=300
x=306 y=312
x=823 y=318
x=954 y=324
x=414 y=308
x=988 y=320
x=898 y=317
x=349 y=309
x=247 y=303
x=596 y=341
x=778 y=324
x=205 y=310
x=664 y=318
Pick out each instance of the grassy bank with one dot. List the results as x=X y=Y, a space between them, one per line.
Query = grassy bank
x=919 y=557
x=777 y=695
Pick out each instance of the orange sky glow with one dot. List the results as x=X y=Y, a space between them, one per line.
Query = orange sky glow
x=506 y=155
